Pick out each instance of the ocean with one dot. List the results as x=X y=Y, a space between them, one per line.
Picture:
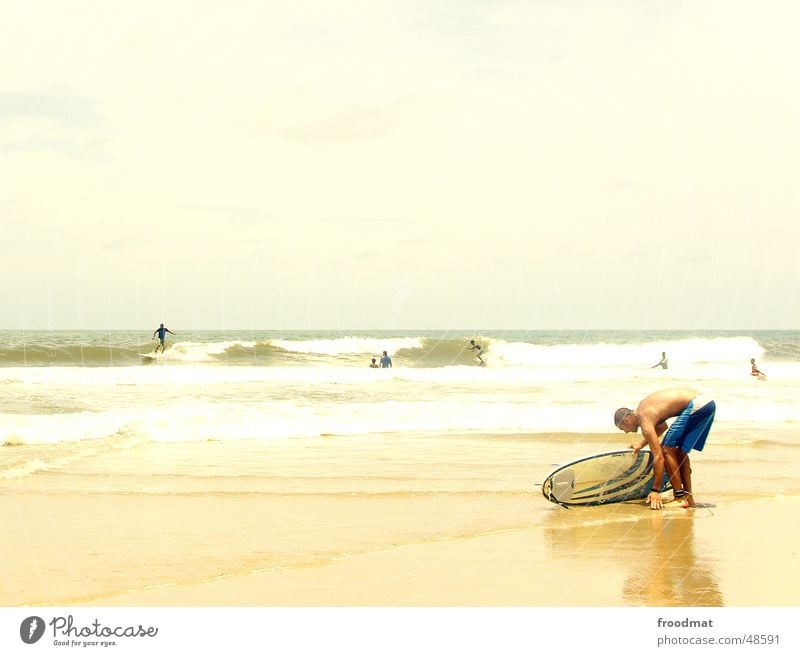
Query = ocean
x=67 y=386
x=247 y=452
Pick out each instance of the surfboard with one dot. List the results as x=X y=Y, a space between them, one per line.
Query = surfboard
x=608 y=477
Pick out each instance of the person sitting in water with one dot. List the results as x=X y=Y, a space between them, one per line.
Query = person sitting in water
x=754 y=369
x=662 y=362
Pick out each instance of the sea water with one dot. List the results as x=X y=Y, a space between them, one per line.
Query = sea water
x=61 y=387
x=246 y=451
x=64 y=387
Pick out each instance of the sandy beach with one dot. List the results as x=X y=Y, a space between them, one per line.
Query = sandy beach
x=387 y=521
x=538 y=567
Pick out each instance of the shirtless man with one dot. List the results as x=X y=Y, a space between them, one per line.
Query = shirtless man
x=694 y=416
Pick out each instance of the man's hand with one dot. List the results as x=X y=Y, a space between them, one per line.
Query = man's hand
x=654 y=499
x=637 y=446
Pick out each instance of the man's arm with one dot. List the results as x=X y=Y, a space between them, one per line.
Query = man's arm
x=651 y=434
x=639 y=444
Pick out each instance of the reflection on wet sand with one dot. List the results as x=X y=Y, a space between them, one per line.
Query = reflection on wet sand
x=670 y=572
x=650 y=554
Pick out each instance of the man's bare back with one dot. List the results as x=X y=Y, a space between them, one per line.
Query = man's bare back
x=661 y=405
x=651 y=415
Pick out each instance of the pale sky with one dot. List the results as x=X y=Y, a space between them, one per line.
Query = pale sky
x=374 y=164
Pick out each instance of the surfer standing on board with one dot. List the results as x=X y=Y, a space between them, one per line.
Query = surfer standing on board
x=161 y=331
x=477 y=349
x=694 y=415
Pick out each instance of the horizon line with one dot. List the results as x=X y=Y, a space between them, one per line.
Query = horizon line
x=339 y=330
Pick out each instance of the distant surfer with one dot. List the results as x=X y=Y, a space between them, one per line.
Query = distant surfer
x=162 y=331
x=477 y=349
x=754 y=369
x=662 y=362
x=694 y=415
x=373 y=364
x=386 y=361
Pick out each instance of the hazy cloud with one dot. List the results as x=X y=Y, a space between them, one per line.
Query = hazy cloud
x=60 y=123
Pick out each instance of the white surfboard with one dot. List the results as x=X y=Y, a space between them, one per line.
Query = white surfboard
x=608 y=477
x=149 y=357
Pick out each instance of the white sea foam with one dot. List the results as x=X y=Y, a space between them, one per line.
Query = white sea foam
x=193 y=394
x=55 y=428
x=199 y=351
x=348 y=345
x=282 y=420
x=721 y=350
x=265 y=411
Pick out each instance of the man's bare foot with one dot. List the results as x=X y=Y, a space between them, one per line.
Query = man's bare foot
x=688 y=501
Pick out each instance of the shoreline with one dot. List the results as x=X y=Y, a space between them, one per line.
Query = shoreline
x=389 y=521
x=531 y=567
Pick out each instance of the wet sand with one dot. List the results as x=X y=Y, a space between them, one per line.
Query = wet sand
x=387 y=521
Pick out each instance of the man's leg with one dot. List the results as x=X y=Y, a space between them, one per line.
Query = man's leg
x=671 y=464
x=685 y=467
